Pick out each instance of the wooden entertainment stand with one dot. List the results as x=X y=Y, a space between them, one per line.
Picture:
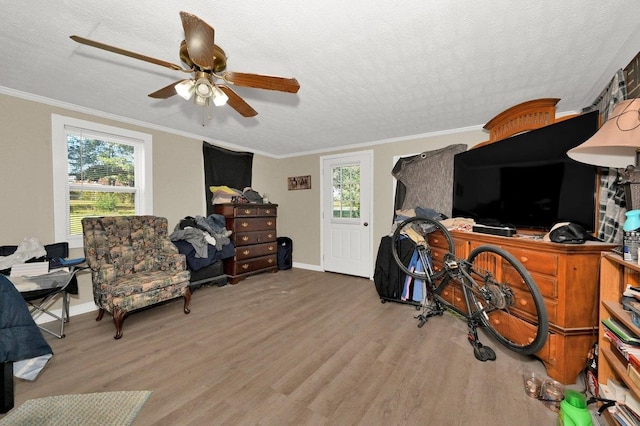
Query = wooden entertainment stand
x=568 y=278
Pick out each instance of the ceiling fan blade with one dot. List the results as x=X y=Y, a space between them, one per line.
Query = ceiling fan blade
x=166 y=92
x=257 y=81
x=199 y=37
x=237 y=103
x=128 y=53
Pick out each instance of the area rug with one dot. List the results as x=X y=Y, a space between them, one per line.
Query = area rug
x=101 y=408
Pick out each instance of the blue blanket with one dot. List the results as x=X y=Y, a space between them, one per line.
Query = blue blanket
x=21 y=340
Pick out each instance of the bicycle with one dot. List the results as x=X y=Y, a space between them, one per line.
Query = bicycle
x=498 y=293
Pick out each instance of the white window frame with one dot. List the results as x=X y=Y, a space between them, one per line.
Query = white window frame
x=143 y=163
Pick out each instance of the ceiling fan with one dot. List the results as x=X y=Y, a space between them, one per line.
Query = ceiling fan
x=207 y=62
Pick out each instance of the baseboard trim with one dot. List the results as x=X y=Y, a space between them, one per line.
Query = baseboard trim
x=307 y=266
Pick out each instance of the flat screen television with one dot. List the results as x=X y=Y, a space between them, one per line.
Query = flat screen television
x=528 y=180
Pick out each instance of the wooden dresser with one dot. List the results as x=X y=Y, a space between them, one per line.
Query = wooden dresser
x=253 y=229
x=568 y=278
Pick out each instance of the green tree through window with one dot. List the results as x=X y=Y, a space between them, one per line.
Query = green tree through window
x=99 y=170
x=101 y=179
x=346 y=192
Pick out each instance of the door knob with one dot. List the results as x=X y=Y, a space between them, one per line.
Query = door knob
x=366 y=224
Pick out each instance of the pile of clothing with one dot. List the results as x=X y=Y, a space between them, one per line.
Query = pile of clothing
x=202 y=240
x=224 y=194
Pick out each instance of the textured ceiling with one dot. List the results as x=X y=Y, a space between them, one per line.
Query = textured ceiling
x=369 y=71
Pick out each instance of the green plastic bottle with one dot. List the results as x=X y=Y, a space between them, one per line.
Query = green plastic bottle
x=573 y=410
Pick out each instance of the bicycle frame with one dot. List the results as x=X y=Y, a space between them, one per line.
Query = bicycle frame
x=457 y=269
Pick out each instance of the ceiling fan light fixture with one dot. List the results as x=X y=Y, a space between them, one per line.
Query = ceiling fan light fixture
x=203 y=88
x=219 y=97
x=185 y=89
x=201 y=101
x=205 y=61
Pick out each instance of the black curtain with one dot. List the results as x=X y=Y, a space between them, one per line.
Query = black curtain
x=225 y=167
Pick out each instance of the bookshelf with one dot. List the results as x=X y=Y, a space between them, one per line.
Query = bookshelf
x=615 y=273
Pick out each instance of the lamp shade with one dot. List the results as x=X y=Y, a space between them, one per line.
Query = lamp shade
x=219 y=97
x=616 y=143
x=185 y=89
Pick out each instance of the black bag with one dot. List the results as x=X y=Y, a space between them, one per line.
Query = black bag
x=285 y=252
x=252 y=196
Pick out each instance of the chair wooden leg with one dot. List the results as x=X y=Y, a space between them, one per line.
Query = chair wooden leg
x=118 y=319
x=187 y=300
x=100 y=314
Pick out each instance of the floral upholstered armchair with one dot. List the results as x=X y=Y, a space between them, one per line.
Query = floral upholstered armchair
x=133 y=265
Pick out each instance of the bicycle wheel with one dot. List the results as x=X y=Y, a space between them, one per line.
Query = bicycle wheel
x=507 y=299
x=421 y=235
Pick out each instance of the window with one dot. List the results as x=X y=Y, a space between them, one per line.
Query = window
x=98 y=170
x=346 y=192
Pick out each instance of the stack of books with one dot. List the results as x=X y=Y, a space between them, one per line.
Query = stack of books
x=626 y=409
x=633 y=368
x=626 y=346
x=631 y=291
x=623 y=341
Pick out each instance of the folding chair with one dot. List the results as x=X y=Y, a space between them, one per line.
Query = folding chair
x=63 y=284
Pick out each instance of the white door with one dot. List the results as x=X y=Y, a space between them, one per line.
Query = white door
x=346 y=213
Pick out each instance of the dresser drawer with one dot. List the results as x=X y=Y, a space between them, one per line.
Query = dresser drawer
x=256 y=250
x=243 y=266
x=239 y=225
x=248 y=238
x=250 y=211
x=544 y=263
x=548 y=285
x=267 y=211
x=525 y=305
x=246 y=210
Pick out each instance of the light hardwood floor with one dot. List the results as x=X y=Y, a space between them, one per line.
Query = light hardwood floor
x=294 y=347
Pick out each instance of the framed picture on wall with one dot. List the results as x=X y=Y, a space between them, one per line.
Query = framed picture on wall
x=299 y=182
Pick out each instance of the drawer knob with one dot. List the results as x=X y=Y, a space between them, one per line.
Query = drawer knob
x=524 y=259
x=271 y=248
x=245 y=266
x=246 y=252
x=267 y=211
x=244 y=224
x=269 y=223
x=523 y=302
x=270 y=235
x=245 y=238
x=270 y=260
x=247 y=211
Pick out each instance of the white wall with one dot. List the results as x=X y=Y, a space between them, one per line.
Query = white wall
x=26 y=180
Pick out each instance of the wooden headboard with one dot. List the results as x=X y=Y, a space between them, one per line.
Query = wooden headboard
x=520 y=118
